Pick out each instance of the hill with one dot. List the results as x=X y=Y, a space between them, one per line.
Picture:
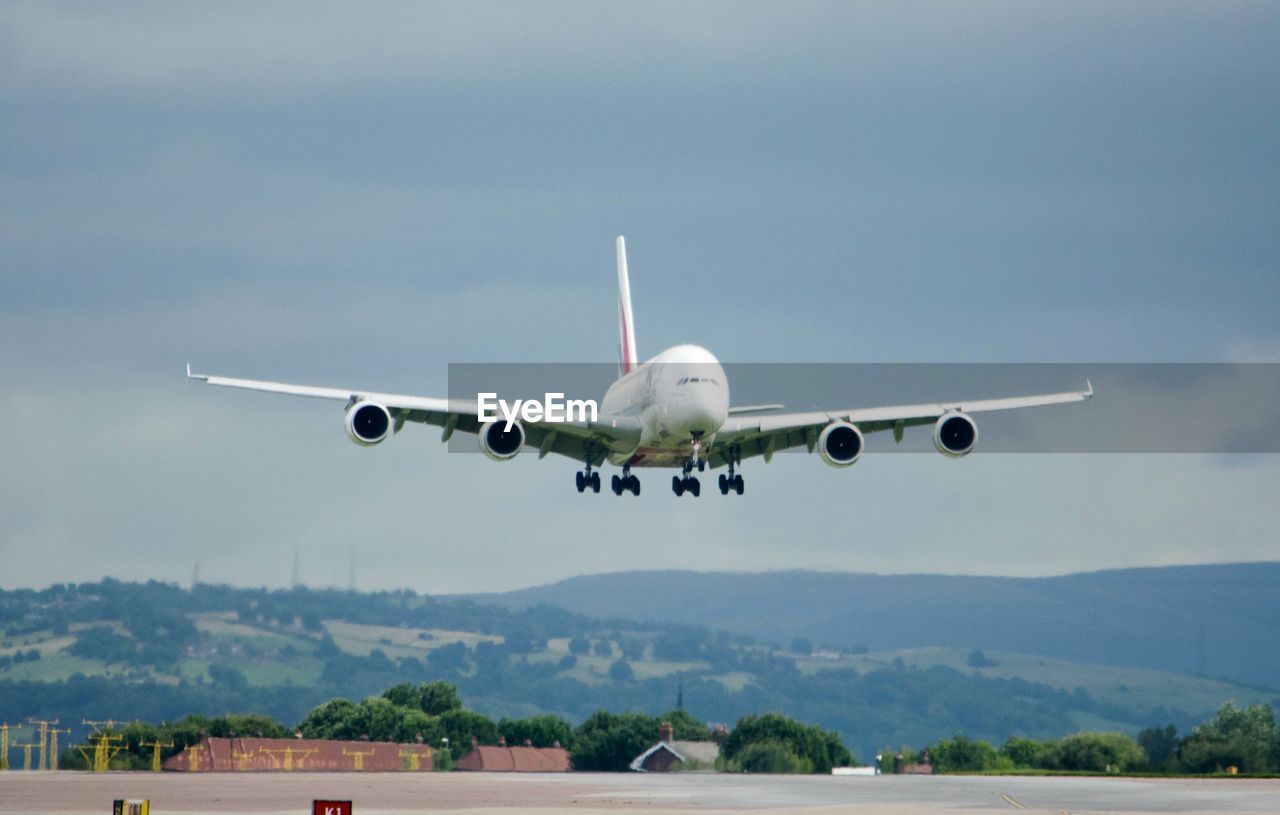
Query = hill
x=1219 y=620
x=157 y=652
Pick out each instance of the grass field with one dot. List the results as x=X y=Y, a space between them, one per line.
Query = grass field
x=1104 y=683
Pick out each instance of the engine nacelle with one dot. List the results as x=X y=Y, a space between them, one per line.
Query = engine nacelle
x=367 y=423
x=840 y=444
x=955 y=435
x=500 y=444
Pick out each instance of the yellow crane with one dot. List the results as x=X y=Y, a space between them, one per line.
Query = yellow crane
x=26 y=753
x=156 y=747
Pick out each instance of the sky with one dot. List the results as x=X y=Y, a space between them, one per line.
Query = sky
x=359 y=196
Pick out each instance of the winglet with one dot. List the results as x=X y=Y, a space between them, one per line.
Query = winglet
x=191 y=376
x=1088 y=393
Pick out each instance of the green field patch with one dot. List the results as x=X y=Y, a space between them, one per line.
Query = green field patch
x=1104 y=683
x=299 y=673
x=648 y=669
x=395 y=642
x=54 y=668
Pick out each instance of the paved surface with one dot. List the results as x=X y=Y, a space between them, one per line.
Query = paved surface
x=585 y=793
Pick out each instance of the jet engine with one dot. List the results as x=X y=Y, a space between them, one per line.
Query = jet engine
x=367 y=423
x=955 y=435
x=840 y=444
x=501 y=444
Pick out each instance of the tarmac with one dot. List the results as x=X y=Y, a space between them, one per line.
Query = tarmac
x=73 y=793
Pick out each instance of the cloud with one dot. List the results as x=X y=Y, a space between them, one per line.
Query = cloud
x=312 y=193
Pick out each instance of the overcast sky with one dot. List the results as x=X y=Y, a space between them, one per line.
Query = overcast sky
x=356 y=196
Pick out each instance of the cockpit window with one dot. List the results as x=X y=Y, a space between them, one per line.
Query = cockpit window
x=687 y=379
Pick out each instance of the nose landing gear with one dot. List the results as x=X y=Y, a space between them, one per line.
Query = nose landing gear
x=680 y=484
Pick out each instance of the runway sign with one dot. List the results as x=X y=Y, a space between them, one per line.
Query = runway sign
x=131 y=807
x=330 y=808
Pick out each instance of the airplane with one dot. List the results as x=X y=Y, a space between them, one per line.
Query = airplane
x=672 y=411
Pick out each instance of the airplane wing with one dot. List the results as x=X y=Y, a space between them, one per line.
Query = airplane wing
x=576 y=440
x=748 y=436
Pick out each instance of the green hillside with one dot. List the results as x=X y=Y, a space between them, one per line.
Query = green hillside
x=1219 y=620
x=156 y=652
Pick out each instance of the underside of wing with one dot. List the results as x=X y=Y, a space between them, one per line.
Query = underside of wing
x=372 y=415
x=747 y=436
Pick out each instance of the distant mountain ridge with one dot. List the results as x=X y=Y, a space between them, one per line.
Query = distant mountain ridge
x=1222 y=620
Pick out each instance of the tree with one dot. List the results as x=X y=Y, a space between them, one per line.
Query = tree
x=607 y=742
x=1025 y=752
x=579 y=645
x=685 y=726
x=1246 y=738
x=439 y=697
x=247 y=725
x=451 y=658
x=543 y=731
x=620 y=671
x=770 y=757
x=965 y=755
x=978 y=659
x=802 y=646
x=461 y=726
x=632 y=647
x=330 y=720
x=1097 y=752
x=817 y=749
x=1159 y=743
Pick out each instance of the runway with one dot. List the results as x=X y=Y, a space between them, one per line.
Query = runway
x=73 y=793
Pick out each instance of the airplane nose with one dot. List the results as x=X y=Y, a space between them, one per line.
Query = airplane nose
x=704 y=413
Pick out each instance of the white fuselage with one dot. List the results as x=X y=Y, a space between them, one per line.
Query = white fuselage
x=677 y=396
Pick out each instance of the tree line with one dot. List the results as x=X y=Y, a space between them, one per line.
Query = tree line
x=432 y=713
x=1244 y=738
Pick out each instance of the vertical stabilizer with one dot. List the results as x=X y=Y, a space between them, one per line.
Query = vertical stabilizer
x=627 y=358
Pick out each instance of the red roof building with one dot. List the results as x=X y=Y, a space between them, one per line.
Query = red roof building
x=504 y=759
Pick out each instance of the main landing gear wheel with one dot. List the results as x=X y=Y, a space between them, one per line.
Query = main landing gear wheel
x=730 y=482
x=626 y=483
x=680 y=485
x=583 y=480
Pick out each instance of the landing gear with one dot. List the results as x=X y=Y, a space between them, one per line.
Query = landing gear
x=584 y=479
x=680 y=484
x=731 y=481
x=626 y=483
